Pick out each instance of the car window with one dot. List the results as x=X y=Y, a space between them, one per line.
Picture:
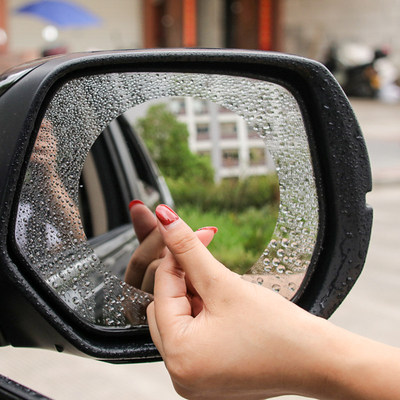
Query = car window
x=116 y=170
x=101 y=190
x=147 y=177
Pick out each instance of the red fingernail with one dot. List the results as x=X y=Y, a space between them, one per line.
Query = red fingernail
x=166 y=215
x=133 y=202
x=211 y=228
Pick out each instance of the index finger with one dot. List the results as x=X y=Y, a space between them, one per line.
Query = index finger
x=202 y=269
x=171 y=303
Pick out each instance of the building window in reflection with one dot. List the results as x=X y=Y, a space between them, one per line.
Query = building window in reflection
x=203 y=132
x=257 y=156
x=230 y=158
x=228 y=130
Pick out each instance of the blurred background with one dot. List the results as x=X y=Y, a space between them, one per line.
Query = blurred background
x=305 y=27
x=357 y=40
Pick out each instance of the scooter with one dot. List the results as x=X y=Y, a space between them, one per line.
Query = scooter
x=355 y=67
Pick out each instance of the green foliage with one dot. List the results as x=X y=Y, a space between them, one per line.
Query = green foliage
x=229 y=194
x=167 y=141
x=244 y=211
x=241 y=237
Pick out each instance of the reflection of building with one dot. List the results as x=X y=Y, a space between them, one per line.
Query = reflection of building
x=229 y=141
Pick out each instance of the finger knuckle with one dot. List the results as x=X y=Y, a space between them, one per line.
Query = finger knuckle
x=169 y=268
x=139 y=261
x=185 y=244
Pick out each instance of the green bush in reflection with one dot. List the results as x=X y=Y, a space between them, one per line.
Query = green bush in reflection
x=229 y=194
x=245 y=212
x=242 y=235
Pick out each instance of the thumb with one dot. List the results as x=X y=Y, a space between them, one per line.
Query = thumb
x=143 y=219
x=202 y=269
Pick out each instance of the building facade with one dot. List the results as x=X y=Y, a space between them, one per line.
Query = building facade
x=303 y=27
x=233 y=147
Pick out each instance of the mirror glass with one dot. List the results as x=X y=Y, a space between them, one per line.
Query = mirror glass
x=233 y=182
x=88 y=163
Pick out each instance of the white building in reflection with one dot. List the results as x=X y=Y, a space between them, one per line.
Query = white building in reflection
x=234 y=148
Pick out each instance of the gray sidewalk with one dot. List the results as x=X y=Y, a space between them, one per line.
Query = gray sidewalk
x=380 y=124
x=371 y=309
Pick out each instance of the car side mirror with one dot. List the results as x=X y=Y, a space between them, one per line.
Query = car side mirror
x=60 y=285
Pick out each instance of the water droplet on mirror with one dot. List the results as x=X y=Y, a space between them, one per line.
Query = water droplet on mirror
x=280 y=253
x=280 y=269
x=59 y=348
x=276 y=287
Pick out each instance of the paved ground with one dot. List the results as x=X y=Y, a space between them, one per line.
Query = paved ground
x=371 y=309
x=380 y=124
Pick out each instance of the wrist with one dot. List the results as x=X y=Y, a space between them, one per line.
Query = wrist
x=353 y=367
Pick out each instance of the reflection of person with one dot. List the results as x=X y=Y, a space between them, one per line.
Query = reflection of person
x=44 y=158
x=45 y=200
x=222 y=337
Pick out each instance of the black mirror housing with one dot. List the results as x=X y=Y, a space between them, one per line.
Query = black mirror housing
x=33 y=316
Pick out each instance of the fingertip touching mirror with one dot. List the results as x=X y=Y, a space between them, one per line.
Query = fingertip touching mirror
x=72 y=162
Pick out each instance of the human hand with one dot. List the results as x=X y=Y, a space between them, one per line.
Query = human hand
x=145 y=260
x=151 y=250
x=222 y=337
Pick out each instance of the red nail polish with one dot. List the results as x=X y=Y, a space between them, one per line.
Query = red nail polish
x=133 y=202
x=211 y=228
x=166 y=215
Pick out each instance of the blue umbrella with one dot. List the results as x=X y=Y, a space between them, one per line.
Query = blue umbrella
x=60 y=13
